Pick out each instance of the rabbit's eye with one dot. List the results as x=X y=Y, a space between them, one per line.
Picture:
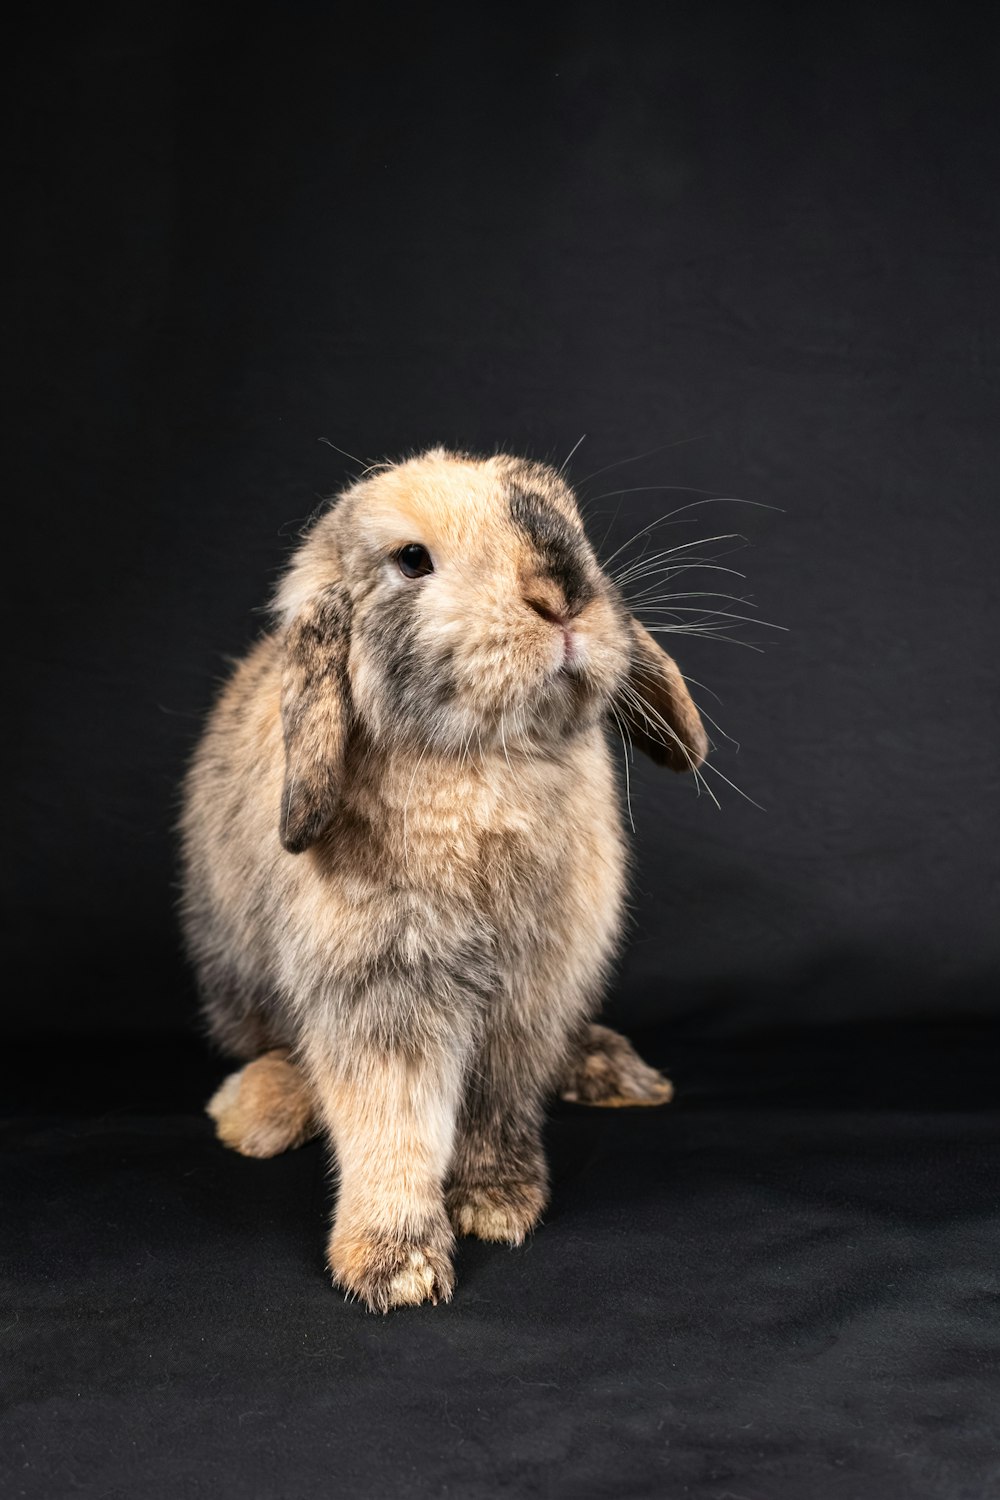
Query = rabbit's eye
x=414 y=561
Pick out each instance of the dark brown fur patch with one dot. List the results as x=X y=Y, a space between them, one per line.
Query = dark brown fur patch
x=561 y=548
x=498 y=1186
x=499 y=1180
x=314 y=713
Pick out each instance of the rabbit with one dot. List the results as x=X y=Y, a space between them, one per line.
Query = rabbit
x=403 y=862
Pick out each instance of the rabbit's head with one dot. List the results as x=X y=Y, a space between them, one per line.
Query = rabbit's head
x=454 y=605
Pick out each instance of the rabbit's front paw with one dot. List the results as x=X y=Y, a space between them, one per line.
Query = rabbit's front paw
x=504 y=1210
x=384 y=1272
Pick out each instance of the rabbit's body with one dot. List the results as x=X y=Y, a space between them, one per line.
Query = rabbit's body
x=513 y=929
x=434 y=953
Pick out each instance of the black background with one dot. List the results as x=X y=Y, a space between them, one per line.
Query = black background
x=748 y=250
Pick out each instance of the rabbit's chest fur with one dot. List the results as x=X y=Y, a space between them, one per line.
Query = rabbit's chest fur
x=497 y=876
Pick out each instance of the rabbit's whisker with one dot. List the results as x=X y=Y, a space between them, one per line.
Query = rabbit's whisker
x=707 y=766
x=666 y=571
x=711 y=614
x=648 y=677
x=565 y=462
x=646 y=598
x=352 y=456
x=701 y=541
x=622 y=731
x=654 y=719
x=668 y=517
x=620 y=463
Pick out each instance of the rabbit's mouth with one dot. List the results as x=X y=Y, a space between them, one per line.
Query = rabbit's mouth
x=574 y=651
x=568 y=651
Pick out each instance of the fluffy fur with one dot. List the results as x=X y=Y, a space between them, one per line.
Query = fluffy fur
x=403 y=863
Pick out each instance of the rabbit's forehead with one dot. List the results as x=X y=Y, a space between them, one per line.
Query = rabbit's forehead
x=497 y=509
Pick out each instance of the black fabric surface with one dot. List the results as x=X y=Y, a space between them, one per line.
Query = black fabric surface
x=746 y=249
x=734 y=1296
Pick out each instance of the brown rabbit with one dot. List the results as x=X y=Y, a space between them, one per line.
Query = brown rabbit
x=404 y=867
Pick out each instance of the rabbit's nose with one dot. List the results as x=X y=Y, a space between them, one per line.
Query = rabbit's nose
x=547 y=600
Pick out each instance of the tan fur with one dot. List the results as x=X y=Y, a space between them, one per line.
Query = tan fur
x=265 y=1108
x=269 y=1106
x=392 y=1123
x=403 y=855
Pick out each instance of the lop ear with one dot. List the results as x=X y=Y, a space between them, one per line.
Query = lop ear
x=315 y=713
x=657 y=707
